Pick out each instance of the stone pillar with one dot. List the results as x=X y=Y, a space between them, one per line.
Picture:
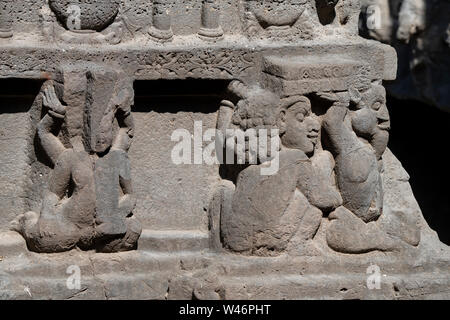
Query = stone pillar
x=5 y=19
x=161 y=29
x=210 y=28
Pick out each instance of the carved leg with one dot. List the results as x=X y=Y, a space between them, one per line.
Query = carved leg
x=349 y=234
x=47 y=236
x=309 y=223
x=25 y=224
x=220 y=205
x=125 y=243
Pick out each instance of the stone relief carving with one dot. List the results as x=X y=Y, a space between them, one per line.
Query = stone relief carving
x=340 y=198
x=337 y=13
x=210 y=22
x=330 y=165
x=104 y=22
x=358 y=147
x=269 y=214
x=93 y=22
x=93 y=15
x=276 y=13
x=205 y=63
x=161 y=29
x=277 y=19
x=89 y=201
x=5 y=19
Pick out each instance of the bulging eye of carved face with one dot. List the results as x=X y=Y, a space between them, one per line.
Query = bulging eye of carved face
x=300 y=128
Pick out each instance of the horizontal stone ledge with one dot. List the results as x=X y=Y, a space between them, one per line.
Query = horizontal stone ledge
x=216 y=61
x=173 y=240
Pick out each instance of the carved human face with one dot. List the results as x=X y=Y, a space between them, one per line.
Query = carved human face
x=371 y=121
x=300 y=129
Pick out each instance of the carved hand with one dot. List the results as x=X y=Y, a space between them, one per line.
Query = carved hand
x=238 y=88
x=51 y=101
x=339 y=99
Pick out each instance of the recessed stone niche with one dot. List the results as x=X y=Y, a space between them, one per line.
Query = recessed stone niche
x=88 y=181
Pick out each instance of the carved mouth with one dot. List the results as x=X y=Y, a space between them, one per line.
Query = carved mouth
x=313 y=136
x=385 y=126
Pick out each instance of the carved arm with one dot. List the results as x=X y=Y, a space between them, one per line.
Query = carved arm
x=51 y=122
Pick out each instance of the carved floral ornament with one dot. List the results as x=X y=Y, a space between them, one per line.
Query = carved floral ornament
x=204 y=63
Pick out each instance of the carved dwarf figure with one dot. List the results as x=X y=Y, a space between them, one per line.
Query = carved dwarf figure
x=358 y=138
x=266 y=215
x=89 y=200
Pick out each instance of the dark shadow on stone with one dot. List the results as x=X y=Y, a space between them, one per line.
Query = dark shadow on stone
x=325 y=11
x=419 y=139
x=21 y=92
x=173 y=96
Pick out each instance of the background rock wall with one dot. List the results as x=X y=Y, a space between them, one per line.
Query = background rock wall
x=420 y=32
x=172 y=196
x=16 y=145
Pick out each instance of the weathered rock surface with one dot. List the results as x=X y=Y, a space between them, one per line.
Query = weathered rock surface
x=419 y=30
x=94 y=206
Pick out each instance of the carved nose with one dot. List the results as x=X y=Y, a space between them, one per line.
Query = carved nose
x=313 y=124
x=383 y=114
x=383 y=118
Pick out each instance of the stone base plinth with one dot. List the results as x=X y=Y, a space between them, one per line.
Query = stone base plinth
x=153 y=273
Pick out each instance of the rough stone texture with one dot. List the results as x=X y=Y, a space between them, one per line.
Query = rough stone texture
x=93 y=15
x=419 y=30
x=15 y=144
x=160 y=181
x=79 y=192
x=89 y=199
